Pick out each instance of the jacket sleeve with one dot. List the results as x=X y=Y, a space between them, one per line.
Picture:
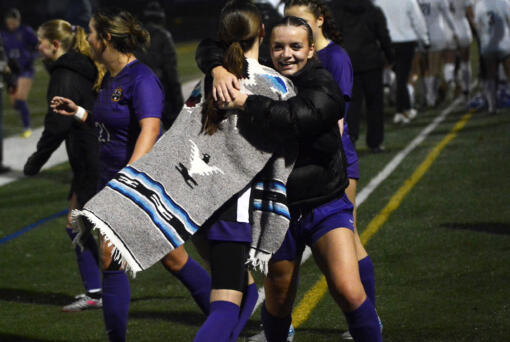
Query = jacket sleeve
x=313 y=111
x=209 y=54
x=56 y=127
x=418 y=22
x=383 y=35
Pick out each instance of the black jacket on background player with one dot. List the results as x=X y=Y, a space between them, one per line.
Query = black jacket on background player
x=319 y=174
x=72 y=76
x=365 y=33
x=161 y=57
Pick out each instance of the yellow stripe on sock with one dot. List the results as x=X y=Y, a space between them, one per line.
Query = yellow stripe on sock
x=315 y=294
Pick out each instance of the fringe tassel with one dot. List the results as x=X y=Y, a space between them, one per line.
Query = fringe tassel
x=119 y=252
x=258 y=260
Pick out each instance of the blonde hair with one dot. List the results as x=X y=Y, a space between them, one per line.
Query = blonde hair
x=71 y=38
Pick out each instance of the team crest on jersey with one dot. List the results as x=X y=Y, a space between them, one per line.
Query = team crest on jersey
x=117 y=94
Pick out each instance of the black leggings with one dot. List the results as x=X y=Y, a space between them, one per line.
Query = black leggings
x=228 y=269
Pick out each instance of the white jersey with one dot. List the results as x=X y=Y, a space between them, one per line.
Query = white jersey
x=458 y=9
x=492 y=19
x=440 y=24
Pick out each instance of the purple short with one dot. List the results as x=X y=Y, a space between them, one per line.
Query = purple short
x=314 y=225
x=350 y=154
x=27 y=73
x=229 y=231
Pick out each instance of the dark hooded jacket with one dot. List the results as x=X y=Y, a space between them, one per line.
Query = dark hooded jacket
x=365 y=33
x=71 y=76
x=161 y=57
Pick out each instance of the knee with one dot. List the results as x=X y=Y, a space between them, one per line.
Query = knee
x=349 y=294
x=175 y=260
x=280 y=293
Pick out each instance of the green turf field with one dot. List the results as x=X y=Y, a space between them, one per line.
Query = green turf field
x=441 y=258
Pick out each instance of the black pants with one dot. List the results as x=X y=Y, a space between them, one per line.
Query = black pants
x=367 y=85
x=404 y=54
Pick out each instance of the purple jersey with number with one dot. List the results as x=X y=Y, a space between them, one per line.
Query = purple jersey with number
x=21 y=45
x=337 y=62
x=132 y=95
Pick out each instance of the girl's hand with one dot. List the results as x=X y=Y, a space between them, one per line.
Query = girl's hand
x=238 y=102
x=224 y=85
x=341 y=126
x=63 y=106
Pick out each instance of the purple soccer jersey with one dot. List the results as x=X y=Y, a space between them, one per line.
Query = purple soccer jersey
x=132 y=95
x=21 y=45
x=336 y=60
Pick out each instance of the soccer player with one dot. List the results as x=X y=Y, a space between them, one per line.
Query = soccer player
x=321 y=216
x=127 y=116
x=20 y=44
x=462 y=11
x=443 y=38
x=492 y=18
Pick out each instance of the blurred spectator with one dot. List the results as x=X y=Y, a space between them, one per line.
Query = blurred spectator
x=20 y=44
x=77 y=12
x=407 y=27
x=366 y=39
x=161 y=57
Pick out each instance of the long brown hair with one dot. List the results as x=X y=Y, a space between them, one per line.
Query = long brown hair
x=71 y=38
x=239 y=27
x=319 y=8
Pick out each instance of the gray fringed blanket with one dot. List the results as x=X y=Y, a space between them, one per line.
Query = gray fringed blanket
x=157 y=203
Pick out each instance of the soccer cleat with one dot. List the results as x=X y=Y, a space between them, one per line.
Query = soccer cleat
x=27 y=133
x=401 y=118
x=346 y=335
x=83 y=302
x=261 y=336
x=412 y=113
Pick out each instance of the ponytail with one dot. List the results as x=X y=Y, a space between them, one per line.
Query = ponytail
x=71 y=38
x=240 y=25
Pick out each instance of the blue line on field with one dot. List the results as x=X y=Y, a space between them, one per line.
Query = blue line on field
x=32 y=226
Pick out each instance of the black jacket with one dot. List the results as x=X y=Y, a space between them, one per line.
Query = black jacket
x=161 y=57
x=319 y=174
x=365 y=33
x=71 y=76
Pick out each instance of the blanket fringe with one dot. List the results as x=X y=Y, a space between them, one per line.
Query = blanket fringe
x=258 y=260
x=119 y=252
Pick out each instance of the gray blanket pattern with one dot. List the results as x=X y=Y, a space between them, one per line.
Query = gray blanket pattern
x=162 y=199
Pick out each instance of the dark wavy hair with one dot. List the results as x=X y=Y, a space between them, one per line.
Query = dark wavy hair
x=297 y=22
x=127 y=34
x=319 y=8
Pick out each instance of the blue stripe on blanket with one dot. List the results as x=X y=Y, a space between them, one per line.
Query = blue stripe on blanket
x=149 y=208
x=168 y=203
x=271 y=186
x=271 y=206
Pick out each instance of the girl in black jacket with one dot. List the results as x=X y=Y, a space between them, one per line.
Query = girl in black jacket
x=321 y=213
x=72 y=74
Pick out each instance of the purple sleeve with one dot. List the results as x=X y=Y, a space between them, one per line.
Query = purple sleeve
x=148 y=98
x=30 y=37
x=342 y=72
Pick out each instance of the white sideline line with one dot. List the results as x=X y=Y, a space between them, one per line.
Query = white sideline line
x=382 y=175
x=17 y=149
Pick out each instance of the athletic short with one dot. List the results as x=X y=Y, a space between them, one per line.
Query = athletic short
x=313 y=225
x=350 y=154
x=27 y=73
x=229 y=231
